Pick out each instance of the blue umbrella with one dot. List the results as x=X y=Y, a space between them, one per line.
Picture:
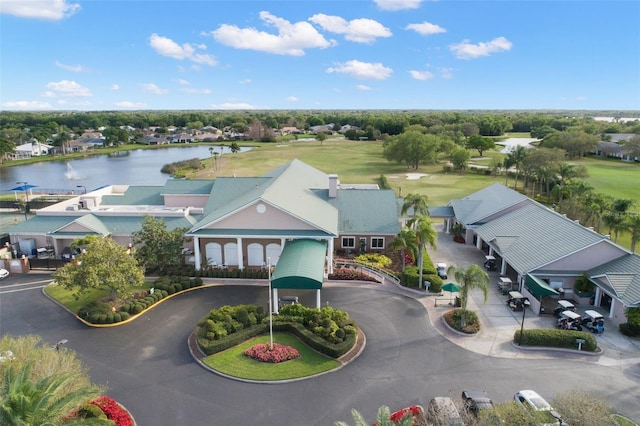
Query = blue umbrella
x=23 y=187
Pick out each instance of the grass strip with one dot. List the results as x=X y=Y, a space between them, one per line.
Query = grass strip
x=232 y=362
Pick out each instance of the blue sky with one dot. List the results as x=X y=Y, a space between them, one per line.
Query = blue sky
x=306 y=54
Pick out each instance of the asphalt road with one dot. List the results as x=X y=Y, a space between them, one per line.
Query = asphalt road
x=147 y=366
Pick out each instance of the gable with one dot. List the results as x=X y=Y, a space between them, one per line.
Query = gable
x=260 y=215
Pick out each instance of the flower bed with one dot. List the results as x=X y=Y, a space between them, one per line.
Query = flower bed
x=279 y=353
x=114 y=411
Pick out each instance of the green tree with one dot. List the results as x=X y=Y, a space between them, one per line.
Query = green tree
x=460 y=158
x=418 y=203
x=580 y=407
x=157 y=248
x=234 y=147
x=40 y=385
x=412 y=148
x=405 y=242
x=633 y=226
x=471 y=278
x=425 y=234
x=321 y=137
x=632 y=146
x=515 y=159
x=6 y=147
x=480 y=143
x=103 y=264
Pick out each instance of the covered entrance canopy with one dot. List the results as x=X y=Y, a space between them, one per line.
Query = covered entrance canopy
x=538 y=288
x=301 y=265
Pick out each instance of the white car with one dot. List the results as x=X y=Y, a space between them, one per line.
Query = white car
x=3 y=273
x=532 y=401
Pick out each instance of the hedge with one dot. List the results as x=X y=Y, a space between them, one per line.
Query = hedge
x=410 y=277
x=557 y=339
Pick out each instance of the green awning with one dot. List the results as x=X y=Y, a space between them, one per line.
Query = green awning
x=538 y=288
x=301 y=265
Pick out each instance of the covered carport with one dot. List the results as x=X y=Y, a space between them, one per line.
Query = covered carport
x=539 y=289
x=301 y=267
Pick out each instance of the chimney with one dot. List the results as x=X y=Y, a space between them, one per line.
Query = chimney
x=334 y=183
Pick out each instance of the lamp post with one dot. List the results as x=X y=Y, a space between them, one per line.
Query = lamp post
x=26 y=198
x=525 y=304
x=83 y=187
x=270 y=306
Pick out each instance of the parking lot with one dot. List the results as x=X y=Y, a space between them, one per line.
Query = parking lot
x=499 y=322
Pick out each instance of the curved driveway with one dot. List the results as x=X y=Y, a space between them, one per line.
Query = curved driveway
x=147 y=366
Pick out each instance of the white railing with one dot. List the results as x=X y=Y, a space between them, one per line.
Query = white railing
x=370 y=270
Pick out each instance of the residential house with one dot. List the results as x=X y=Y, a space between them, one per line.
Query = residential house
x=32 y=149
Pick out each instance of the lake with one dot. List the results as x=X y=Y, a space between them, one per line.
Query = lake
x=136 y=167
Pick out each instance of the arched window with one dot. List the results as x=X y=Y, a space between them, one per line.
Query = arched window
x=213 y=253
x=231 y=254
x=255 y=254
x=273 y=252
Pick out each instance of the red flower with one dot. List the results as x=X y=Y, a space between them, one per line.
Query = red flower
x=279 y=353
x=113 y=411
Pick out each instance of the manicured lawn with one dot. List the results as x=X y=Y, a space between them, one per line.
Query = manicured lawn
x=233 y=363
x=68 y=300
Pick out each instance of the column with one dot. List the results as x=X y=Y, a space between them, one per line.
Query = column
x=330 y=255
x=318 y=305
x=196 y=252
x=240 y=257
x=447 y=224
x=479 y=242
x=503 y=267
x=490 y=251
x=612 y=308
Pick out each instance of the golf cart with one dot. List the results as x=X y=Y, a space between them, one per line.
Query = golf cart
x=563 y=305
x=569 y=320
x=441 y=269
x=505 y=285
x=594 y=321
x=517 y=301
x=490 y=263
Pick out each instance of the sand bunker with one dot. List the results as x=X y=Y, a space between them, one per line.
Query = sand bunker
x=415 y=176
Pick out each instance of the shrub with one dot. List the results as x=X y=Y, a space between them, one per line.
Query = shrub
x=90 y=411
x=350 y=274
x=137 y=308
x=124 y=316
x=557 y=339
x=377 y=260
x=454 y=319
x=278 y=353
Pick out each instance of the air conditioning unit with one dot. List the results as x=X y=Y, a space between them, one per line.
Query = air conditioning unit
x=72 y=208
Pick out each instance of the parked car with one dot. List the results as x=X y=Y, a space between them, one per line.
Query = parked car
x=3 y=273
x=476 y=400
x=532 y=402
x=443 y=412
x=441 y=269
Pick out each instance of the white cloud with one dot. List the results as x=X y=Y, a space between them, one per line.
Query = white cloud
x=52 y=10
x=23 y=105
x=245 y=81
x=357 y=30
x=152 y=88
x=67 y=88
x=421 y=75
x=73 y=68
x=195 y=91
x=426 y=28
x=292 y=39
x=115 y=87
x=240 y=105
x=291 y=99
x=363 y=87
x=167 y=47
x=48 y=94
x=447 y=73
x=398 y=4
x=467 y=50
x=128 y=104
x=182 y=82
x=363 y=70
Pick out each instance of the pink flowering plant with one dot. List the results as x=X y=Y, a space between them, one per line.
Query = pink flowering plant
x=279 y=353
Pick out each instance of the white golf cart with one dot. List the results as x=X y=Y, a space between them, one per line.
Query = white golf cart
x=563 y=305
x=594 y=321
x=569 y=320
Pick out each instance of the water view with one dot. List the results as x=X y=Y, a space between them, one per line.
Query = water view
x=137 y=167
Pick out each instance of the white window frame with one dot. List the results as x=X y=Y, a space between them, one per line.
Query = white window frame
x=375 y=240
x=342 y=240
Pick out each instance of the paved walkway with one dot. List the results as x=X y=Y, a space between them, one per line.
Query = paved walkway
x=499 y=323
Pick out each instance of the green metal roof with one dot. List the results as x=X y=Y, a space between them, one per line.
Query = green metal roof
x=301 y=265
x=480 y=205
x=366 y=211
x=179 y=186
x=135 y=195
x=621 y=277
x=281 y=233
x=538 y=288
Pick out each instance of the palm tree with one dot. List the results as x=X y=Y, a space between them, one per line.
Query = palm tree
x=469 y=279
x=45 y=402
x=405 y=242
x=425 y=234
x=633 y=226
x=516 y=158
x=418 y=202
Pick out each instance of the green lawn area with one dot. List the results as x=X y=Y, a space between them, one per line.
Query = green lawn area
x=68 y=300
x=233 y=363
